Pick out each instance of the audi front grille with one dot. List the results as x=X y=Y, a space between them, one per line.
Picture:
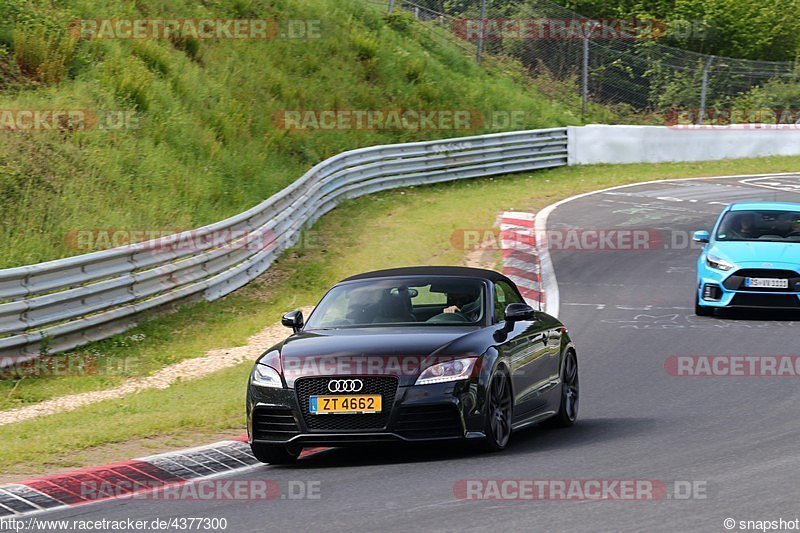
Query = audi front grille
x=386 y=386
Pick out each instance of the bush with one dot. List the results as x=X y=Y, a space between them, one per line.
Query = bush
x=43 y=57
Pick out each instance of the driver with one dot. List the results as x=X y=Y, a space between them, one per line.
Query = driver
x=744 y=226
x=463 y=302
x=795 y=230
x=458 y=301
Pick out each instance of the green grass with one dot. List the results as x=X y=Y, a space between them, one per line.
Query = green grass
x=206 y=146
x=393 y=228
x=218 y=402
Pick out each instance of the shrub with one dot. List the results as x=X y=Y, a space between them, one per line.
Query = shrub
x=42 y=56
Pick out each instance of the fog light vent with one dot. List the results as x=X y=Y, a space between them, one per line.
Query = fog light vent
x=712 y=292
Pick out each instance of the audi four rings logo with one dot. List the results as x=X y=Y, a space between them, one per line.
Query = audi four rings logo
x=345 y=385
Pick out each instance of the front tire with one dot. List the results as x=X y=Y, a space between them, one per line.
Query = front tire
x=499 y=410
x=570 y=395
x=274 y=454
x=699 y=310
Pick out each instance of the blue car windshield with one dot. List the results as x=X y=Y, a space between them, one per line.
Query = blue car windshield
x=401 y=302
x=760 y=225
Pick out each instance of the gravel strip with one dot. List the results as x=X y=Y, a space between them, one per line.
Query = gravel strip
x=198 y=367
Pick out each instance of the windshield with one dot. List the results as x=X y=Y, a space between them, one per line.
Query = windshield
x=401 y=302
x=770 y=226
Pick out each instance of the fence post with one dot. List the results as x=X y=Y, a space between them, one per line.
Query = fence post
x=704 y=90
x=585 y=71
x=479 y=50
x=391 y=6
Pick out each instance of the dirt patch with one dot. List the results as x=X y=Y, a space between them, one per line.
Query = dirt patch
x=212 y=361
x=489 y=259
x=10 y=76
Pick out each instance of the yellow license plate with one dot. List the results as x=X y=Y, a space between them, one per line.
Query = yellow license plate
x=350 y=404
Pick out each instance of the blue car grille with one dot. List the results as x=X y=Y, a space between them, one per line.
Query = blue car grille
x=736 y=281
x=786 y=301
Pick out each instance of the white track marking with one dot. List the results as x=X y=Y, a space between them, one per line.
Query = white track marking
x=774 y=185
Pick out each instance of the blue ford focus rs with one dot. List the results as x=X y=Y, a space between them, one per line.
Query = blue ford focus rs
x=751 y=259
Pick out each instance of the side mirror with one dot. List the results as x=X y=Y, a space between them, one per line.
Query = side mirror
x=294 y=320
x=701 y=236
x=515 y=312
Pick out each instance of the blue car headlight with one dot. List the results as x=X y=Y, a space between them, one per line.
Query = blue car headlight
x=718 y=263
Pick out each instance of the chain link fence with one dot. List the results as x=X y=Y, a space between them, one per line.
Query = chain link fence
x=626 y=69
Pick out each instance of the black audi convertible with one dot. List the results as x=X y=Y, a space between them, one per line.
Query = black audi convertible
x=412 y=354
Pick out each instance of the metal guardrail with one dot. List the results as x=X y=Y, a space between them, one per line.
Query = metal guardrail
x=58 y=305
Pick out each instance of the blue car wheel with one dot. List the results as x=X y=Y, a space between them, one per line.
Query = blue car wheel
x=699 y=310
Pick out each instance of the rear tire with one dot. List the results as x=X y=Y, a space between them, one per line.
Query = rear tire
x=274 y=454
x=699 y=310
x=567 y=413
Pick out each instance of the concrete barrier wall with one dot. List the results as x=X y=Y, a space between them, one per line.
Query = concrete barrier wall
x=656 y=144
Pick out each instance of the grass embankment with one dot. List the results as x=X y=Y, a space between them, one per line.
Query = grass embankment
x=205 y=143
x=403 y=227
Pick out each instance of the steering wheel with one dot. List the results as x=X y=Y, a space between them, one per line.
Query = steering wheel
x=448 y=317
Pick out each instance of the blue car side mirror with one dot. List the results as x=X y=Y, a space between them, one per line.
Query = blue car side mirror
x=701 y=236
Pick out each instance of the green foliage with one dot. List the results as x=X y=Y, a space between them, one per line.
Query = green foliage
x=778 y=94
x=42 y=56
x=775 y=102
x=206 y=144
x=764 y=29
x=401 y=21
x=28 y=14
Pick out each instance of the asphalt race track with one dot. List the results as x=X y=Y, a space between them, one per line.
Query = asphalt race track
x=734 y=439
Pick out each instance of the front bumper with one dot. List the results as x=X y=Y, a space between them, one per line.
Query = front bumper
x=445 y=411
x=718 y=289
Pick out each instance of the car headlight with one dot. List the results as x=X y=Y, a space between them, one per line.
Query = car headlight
x=720 y=264
x=266 y=376
x=448 y=371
